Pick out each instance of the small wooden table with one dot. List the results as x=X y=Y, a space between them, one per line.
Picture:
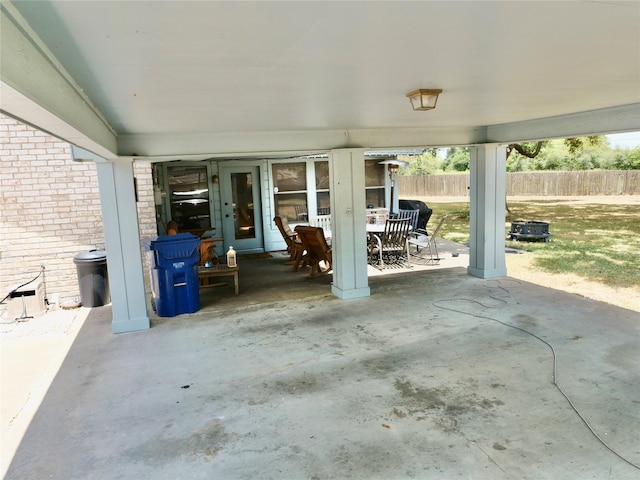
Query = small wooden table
x=220 y=271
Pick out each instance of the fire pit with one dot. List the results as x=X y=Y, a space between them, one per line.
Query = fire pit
x=529 y=231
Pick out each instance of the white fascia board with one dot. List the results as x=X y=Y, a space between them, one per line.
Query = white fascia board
x=37 y=90
x=625 y=118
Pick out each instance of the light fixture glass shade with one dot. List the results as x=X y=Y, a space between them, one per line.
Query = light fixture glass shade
x=393 y=166
x=424 y=99
x=394 y=163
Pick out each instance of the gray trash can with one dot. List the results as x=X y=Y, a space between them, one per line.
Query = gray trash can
x=92 y=278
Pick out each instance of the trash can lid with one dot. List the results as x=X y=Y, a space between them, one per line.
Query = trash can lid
x=90 y=256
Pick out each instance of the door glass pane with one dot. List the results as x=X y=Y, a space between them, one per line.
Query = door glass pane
x=189 y=193
x=242 y=195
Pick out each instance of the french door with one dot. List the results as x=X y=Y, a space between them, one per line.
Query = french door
x=241 y=218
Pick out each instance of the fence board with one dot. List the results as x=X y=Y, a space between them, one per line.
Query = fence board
x=574 y=183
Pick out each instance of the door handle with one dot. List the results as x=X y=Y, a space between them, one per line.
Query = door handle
x=227 y=215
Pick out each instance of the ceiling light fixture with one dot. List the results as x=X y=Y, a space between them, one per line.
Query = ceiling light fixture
x=424 y=99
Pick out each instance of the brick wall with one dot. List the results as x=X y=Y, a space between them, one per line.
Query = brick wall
x=146 y=205
x=50 y=209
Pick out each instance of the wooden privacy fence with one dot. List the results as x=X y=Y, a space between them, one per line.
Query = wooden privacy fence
x=574 y=183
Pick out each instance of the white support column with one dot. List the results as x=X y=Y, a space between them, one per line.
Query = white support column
x=487 y=215
x=122 y=240
x=348 y=235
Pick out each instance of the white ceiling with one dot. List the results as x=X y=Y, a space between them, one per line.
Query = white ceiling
x=203 y=78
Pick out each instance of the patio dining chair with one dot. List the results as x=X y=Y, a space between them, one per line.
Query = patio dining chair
x=421 y=239
x=392 y=245
x=294 y=245
x=317 y=250
x=412 y=215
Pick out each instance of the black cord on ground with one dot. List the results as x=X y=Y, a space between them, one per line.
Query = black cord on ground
x=553 y=353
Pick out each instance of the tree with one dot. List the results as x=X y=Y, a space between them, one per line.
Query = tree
x=424 y=164
x=576 y=144
x=627 y=159
x=457 y=160
x=526 y=149
x=576 y=153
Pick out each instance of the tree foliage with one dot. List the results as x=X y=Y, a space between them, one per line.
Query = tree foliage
x=424 y=164
x=576 y=144
x=457 y=160
x=579 y=153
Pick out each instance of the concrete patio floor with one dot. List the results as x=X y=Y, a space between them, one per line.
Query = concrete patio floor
x=423 y=379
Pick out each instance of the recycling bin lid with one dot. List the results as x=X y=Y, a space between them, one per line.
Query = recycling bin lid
x=167 y=239
x=90 y=256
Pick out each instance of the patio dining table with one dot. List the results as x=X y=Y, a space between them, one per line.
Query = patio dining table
x=375 y=227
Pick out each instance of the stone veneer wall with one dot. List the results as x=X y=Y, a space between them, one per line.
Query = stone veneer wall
x=50 y=210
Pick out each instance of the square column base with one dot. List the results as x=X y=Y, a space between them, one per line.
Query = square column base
x=130 y=325
x=351 y=293
x=483 y=273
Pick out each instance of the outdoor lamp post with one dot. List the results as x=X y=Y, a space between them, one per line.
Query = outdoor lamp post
x=393 y=166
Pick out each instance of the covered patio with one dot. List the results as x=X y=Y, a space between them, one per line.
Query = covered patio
x=437 y=374
x=249 y=82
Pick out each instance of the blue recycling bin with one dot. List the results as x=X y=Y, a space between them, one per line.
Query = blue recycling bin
x=174 y=275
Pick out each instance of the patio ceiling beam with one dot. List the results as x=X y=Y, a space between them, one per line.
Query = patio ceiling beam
x=200 y=146
x=625 y=118
x=35 y=85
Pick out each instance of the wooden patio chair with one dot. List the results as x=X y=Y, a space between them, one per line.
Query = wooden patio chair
x=421 y=239
x=294 y=245
x=318 y=251
x=392 y=244
x=412 y=215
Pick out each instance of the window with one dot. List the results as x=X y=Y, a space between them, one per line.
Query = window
x=290 y=190
x=189 y=198
x=322 y=188
x=375 y=184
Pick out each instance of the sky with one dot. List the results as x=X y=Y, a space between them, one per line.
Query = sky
x=624 y=140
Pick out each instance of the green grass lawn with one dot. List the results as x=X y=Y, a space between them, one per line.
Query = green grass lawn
x=597 y=242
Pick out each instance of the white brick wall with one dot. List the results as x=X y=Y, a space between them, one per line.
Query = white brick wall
x=50 y=209
x=146 y=205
